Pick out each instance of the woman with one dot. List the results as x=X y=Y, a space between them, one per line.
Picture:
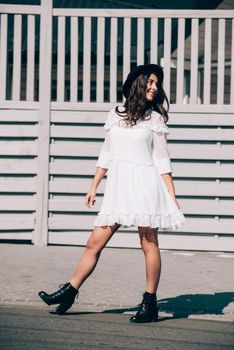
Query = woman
x=139 y=188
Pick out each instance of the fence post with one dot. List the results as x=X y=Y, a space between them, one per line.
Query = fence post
x=41 y=227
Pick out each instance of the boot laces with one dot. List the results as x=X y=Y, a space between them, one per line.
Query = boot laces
x=65 y=284
x=146 y=301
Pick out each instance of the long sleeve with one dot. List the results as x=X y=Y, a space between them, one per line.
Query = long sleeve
x=161 y=158
x=104 y=155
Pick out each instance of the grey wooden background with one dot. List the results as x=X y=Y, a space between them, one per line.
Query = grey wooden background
x=53 y=108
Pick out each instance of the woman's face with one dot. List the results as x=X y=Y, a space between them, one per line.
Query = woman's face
x=151 y=88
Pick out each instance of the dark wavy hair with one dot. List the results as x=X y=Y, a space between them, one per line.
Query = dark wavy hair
x=136 y=104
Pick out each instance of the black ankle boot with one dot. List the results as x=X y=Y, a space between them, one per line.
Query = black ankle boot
x=65 y=296
x=148 y=310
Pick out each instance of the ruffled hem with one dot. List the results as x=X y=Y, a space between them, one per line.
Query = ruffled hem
x=158 y=126
x=170 y=222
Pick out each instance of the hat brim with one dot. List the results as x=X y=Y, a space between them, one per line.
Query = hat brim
x=141 y=69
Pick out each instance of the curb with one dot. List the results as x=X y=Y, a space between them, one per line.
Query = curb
x=105 y=308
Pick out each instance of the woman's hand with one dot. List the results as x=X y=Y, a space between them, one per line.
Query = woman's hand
x=90 y=198
x=176 y=202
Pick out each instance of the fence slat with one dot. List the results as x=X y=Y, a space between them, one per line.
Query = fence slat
x=61 y=59
x=3 y=56
x=140 y=40
x=207 y=61
x=17 y=203
x=173 y=241
x=154 y=41
x=16 y=166
x=197 y=225
x=87 y=167
x=148 y=13
x=106 y=106
x=221 y=58
x=91 y=149
x=19 y=9
x=15 y=115
x=198 y=118
x=197 y=152
x=19 y=148
x=201 y=187
x=86 y=59
x=182 y=133
x=17 y=57
x=18 y=131
x=81 y=185
x=126 y=47
x=194 y=62
x=74 y=59
x=17 y=224
x=40 y=236
x=188 y=206
x=100 y=58
x=30 y=58
x=218 y=134
x=12 y=185
x=113 y=60
x=210 y=118
x=167 y=56
x=180 y=62
x=232 y=67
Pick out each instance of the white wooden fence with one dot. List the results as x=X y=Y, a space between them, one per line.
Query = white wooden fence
x=53 y=108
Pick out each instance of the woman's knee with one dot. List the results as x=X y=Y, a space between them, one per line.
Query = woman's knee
x=99 y=237
x=148 y=237
x=92 y=243
x=95 y=242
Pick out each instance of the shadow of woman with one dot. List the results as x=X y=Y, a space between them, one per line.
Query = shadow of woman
x=183 y=306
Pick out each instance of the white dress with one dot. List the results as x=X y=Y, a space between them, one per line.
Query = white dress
x=135 y=192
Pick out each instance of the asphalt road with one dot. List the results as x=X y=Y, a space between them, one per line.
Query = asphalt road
x=36 y=329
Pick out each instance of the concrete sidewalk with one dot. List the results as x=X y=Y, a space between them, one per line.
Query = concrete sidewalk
x=193 y=284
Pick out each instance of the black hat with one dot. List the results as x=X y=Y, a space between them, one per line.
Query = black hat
x=142 y=69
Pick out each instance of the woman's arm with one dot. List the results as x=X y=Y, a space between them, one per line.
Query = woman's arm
x=162 y=161
x=100 y=173
x=101 y=169
x=170 y=186
x=160 y=154
x=90 y=198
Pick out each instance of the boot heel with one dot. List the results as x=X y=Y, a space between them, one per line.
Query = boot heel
x=62 y=308
x=155 y=317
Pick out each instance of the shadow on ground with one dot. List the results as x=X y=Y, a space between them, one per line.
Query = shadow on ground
x=181 y=306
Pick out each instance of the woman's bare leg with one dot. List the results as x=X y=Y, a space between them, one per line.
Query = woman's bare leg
x=96 y=242
x=149 y=243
